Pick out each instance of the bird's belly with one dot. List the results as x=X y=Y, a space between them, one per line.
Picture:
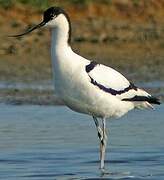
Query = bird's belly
x=99 y=108
x=96 y=103
x=77 y=106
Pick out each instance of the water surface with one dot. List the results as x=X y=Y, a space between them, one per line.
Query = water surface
x=51 y=142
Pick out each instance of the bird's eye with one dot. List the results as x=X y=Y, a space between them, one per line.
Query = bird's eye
x=52 y=17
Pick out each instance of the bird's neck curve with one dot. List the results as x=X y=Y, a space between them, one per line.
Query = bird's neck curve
x=61 y=35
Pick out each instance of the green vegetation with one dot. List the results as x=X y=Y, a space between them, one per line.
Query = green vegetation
x=42 y=4
x=38 y=3
x=85 y=2
x=136 y=2
x=6 y=4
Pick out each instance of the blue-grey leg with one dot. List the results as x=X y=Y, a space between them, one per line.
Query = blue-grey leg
x=103 y=145
x=99 y=130
x=103 y=139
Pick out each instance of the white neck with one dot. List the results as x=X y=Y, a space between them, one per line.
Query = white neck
x=60 y=35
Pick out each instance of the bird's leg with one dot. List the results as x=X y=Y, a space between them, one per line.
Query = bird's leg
x=99 y=130
x=103 y=137
x=103 y=145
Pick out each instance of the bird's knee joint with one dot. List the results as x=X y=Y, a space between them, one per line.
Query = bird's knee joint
x=99 y=135
x=102 y=142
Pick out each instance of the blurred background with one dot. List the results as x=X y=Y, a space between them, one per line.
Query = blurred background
x=127 y=35
x=51 y=142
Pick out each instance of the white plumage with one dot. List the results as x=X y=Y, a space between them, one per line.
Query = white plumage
x=109 y=77
x=85 y=86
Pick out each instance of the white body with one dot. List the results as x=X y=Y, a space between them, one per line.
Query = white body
x=85 y=86
x=73 y=85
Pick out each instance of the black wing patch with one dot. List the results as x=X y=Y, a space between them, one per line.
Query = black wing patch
x=150 y=99
x=90 y=66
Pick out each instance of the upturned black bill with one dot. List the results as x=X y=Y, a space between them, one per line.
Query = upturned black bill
x=30 y=30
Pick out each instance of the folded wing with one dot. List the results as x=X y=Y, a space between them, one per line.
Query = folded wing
x=114 y=83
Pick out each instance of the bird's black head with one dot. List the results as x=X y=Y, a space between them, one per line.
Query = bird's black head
x=52 y=13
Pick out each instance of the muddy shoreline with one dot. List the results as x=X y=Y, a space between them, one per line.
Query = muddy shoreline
x=45 y=95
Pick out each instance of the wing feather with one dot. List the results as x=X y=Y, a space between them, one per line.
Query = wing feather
x=108 y=79
x=113 y=82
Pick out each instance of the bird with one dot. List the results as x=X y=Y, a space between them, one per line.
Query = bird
x=86 y=86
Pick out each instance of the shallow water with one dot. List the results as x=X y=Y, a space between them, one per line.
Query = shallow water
x=48 y=85
x=48 y=143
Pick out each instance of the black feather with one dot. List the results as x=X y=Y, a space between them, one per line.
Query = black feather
x=90 y=66
x=149 y=99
